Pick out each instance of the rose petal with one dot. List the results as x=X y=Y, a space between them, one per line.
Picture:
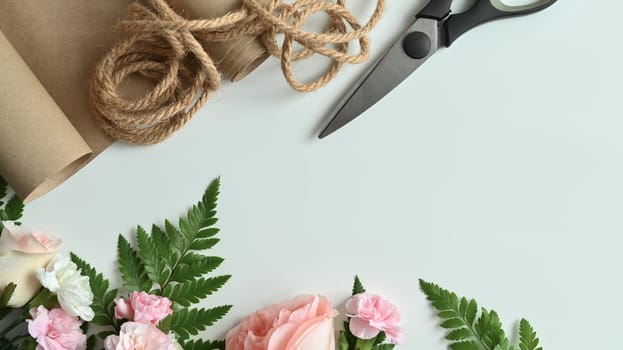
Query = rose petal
x=20 y=268
x=8 y=241
x=318 y=336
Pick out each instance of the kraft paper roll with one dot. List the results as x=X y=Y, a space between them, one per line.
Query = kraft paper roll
x=235 y=58
x=31 y=126
x=59 y=41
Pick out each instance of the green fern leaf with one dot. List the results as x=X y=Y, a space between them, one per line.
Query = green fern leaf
x=456 y=314
x=155 y=267
x=203 y=244
x=358 y=286
x=189 y=272
x=132 y=270
x=103 y=299
x=203 y=345
x=465 y=345
x=504 y=345
x=191 y=292
x=14 y=209
x=208 y=232
x=489 y=328
x=165 y=324
x=187 y=322
x=527 y=337
x=467 y=330
x=177 y=242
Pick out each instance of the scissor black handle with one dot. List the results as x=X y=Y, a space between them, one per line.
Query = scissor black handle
x=485 y=11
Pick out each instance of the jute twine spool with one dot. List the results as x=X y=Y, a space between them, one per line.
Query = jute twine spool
x=166 y=48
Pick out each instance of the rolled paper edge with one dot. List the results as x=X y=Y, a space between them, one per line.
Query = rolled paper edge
x=39 y=147
x=235 y=69
x=55 y=180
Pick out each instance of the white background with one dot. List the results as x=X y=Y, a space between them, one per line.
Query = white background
x=495 y=170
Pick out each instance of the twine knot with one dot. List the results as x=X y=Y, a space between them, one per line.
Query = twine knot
x=166 y=49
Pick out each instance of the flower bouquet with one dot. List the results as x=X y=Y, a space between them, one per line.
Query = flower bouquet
x=53 y=302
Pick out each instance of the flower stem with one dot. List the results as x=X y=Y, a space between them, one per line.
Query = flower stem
x=364 y=344
x=10 y=327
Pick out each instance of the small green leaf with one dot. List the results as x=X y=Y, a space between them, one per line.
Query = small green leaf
x=187 y=322
x=148 y=252
x=14 y=208
x=132 y=270
x=203 y=345
x=189 y=272
x=202 y=244
x=191 y=292
x=165 y=324
x=452 y=323
x=527 y=337
x=6 y=294
x=459 y=334
x=358 y=286
x=466 y=345
x=103 y=299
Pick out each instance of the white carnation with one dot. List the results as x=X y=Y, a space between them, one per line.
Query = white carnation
x=62 y=277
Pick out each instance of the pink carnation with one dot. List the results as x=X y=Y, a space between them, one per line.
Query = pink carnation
x=139 y=336
x=143 y=307
x=371 y=314
x=56 y=330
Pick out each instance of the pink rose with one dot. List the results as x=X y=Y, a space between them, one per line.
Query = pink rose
x=56 y=330
x=139 y=336
x=143 y=307
x=305 y=323
x=20 y=257
x=371 y=314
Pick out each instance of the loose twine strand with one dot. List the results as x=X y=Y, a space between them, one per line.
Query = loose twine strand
x=166 y=48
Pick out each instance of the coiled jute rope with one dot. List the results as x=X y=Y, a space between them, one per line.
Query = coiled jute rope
x=166 y=48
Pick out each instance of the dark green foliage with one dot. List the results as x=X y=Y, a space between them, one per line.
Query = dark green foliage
x=470 y=330
x=168 y=261
x=132 y=270
x=527 y=337
x=358 y=287
x=203 y=345
x=103 y=299
x=5 y=296
x=12 y=209
x=187 y=322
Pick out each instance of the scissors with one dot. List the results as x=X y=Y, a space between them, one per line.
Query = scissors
x=434 y=27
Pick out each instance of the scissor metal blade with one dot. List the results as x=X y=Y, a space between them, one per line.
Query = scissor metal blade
x=394 y=67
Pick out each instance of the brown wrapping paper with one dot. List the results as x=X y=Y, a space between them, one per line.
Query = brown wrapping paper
x=31 y=124
x=59 y=41
x=44 y=78
x=234 y=58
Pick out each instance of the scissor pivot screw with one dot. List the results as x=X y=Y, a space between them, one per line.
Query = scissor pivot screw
x=417 y=45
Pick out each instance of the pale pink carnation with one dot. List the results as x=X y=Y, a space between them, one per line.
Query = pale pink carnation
x=371 y=314
x=56 y=330
x=139 y=336
x=143 y=307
